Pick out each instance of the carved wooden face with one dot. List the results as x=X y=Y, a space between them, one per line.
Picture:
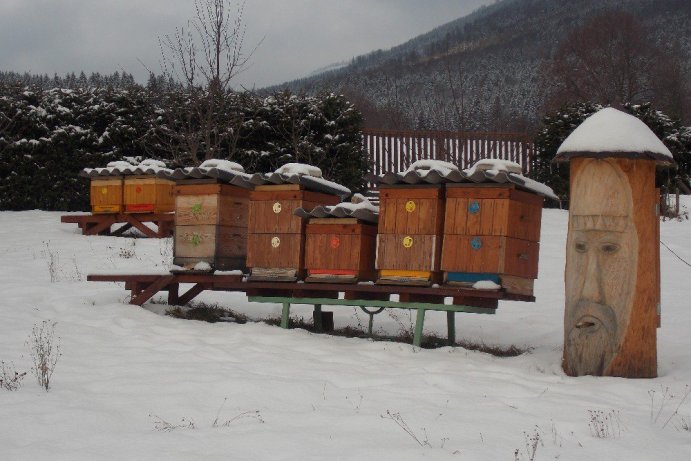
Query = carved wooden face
x=601 y=257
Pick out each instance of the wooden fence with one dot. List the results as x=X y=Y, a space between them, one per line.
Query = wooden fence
x=396 y=150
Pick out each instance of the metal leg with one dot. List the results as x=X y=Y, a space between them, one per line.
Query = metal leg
x=285 y=317
x=371 y=318
x=419 y=323
x=318 y=327
x=451 y=323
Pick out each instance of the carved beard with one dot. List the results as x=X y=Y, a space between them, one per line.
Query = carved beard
x=592 y=339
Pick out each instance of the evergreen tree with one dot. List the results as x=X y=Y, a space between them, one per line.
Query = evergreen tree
x=558 y=126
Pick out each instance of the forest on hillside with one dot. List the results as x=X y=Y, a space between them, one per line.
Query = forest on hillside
x=505 y=66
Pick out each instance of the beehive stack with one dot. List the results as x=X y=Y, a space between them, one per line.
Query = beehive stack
x=211 y=211
x=123 y=187
x=409 y=234
x=492 y=228
x=340 y=243
x=276 y=238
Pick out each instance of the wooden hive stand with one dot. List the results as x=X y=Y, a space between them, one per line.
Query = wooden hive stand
x=276 y=237
x=340 y=250
x=409 y=234
x=210 y=224
x=491 y=232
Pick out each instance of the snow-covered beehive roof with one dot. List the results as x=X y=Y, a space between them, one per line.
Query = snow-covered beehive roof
x=122 y=168
x=359 y=207
x=305 y=175
x=222 y=170
x=483 y=171
x=612 y=133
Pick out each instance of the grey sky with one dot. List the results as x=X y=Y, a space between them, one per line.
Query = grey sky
x=47 y=36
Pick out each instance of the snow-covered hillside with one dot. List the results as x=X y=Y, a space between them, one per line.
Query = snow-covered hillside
x=288 y=394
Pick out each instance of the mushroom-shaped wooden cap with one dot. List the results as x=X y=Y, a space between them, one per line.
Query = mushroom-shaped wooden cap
x=612 y=133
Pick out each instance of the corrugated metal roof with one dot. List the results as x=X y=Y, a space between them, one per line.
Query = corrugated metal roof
x=123 y=168
x=442 y=174
x=309 y=182
x=340 y=211
x=121 y=171
x=233 y=177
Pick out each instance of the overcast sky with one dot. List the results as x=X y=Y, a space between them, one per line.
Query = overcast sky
x=47 y=36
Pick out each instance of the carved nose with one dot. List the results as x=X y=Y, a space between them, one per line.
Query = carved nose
x=592 y=280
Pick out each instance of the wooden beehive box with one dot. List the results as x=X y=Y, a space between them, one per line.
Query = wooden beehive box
x=149 y=194
x=491 y=232
x=409 y=234
x=276 y=237
x=210 y=224
x=340 y=250
x=106 y=195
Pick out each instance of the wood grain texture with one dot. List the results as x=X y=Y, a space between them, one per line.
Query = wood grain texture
x=496 y=255
x=288 y=254
x=418 y=211
x=349 y=247
x=422 y=255
x=106 y=195
x=211 y=224
x=503 y=212
x=612 y=286
x=149 y=193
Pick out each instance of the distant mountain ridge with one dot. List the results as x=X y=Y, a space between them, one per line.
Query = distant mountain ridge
x=483 y=71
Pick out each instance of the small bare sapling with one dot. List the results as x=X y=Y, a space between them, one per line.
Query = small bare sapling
x=10 y=378
x=44 y=348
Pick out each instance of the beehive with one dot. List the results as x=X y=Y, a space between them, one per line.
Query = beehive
x=148 y=194
x=491 y=232
x=276 y=238
x=106 y=195
x=409 y=234
x=210 y=224
x=340 y=250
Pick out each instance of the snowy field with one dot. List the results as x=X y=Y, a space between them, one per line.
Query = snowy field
x=291 y=395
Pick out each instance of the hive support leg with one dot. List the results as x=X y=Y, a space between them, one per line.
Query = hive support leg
x=317 y=316
x=371 y=314
x=451 y=324
x=285 y=317
x=419 y=324
x=173 y=294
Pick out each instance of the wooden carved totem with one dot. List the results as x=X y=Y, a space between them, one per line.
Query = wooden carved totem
x=612 y=263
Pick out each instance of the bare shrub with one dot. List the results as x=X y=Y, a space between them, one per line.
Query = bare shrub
x=10 y=378
x=255 y=414
x=421 y=440
x=658 y=407
x=44 y=349
x=532 y=442
x=604 y=424
x=162 y=425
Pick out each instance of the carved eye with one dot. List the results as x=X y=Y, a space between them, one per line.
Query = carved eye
x=581 y=247
x=609 y=248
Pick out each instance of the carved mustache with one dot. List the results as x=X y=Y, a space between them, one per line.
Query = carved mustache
x=589 y=317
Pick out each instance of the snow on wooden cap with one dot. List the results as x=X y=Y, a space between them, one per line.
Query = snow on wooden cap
x=612 y=133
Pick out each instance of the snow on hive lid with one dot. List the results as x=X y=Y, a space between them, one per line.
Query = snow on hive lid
x=122 y=168
x=224 y=171
x=422 y=171
x=358 y=207
x=483 y=171
x=612 y=133
x=305 y=175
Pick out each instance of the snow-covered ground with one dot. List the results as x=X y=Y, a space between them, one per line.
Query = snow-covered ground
x=289 y=394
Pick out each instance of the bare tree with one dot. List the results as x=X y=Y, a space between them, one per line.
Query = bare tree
x=609 y=60
x=206 y=120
